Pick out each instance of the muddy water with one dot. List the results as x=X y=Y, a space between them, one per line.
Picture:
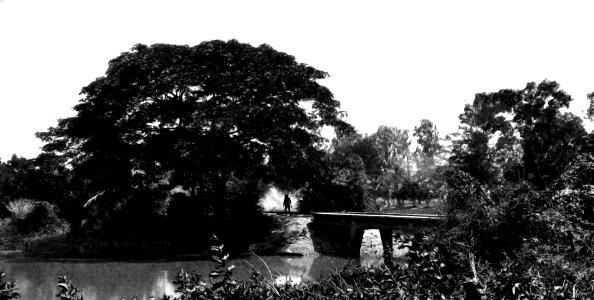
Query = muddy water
x=113 y=280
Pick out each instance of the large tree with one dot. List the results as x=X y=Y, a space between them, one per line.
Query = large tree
x=524 y=132
x=167 y=116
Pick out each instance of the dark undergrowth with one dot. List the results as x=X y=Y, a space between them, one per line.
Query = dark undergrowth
x=28 y=223
x=425 y=276
x=35 y=228
x=498 y=241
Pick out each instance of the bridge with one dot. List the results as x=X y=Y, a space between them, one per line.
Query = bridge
x=386 y=223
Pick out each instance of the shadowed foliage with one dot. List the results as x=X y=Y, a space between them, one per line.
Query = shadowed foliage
x=196 y=121
x=519 y=135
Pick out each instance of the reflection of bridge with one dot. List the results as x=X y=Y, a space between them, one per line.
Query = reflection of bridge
x=386 y=223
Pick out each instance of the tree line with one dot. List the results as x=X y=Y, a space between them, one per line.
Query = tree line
x=176 y=137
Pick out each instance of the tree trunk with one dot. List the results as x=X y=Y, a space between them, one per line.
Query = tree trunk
x=221 y=217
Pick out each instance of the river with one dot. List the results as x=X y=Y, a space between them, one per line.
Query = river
x=114 y=280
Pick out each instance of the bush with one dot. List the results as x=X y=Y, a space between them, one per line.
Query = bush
x=343 y=187
x=67 y=290
x=529 y=243
x=20 y=208
x=8 y=290
x=42 y=217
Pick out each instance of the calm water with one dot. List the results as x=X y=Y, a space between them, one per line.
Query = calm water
x=113 y=280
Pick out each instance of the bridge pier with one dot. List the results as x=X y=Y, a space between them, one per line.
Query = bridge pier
x=387 y=244
x=356 y=238
x=386 y=223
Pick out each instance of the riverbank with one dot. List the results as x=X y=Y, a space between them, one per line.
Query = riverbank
x=288 y=235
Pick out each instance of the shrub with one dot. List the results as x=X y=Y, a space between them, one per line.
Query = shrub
x=21 y=207
x=42 y=216
x=8 y=290
x=530 y=244
x=67 y=290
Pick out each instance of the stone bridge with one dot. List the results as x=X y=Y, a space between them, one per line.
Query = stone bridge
x=386 y=223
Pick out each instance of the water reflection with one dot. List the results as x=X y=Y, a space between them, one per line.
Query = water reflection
x=105 y=280
x=114 y=280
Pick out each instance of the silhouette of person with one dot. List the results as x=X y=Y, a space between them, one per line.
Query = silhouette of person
x=287 y=203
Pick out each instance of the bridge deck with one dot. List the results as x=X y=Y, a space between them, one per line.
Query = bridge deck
x=357 y=222
x=403 y=222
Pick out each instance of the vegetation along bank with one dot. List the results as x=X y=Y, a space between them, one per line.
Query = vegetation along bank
x=176 y=143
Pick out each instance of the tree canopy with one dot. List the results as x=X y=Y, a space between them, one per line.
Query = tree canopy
x=524 y=133
x=167 y=116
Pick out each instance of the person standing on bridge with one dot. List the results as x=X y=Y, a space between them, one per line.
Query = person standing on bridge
x=287 y=203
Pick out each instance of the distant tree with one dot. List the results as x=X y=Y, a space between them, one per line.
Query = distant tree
x=344 y=182
x=362 y=146
x=392 y=144
x=415 y=190
x=348 y=186
x=167 y=116
x=428 y=139
x=350 y=162
x=522 y=132
x=428 y=156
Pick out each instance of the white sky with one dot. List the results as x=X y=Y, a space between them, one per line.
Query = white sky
x=391 y=62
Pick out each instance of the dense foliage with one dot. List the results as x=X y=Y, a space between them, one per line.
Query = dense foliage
x=343 y=183
x=519 y=135
x=43 y=178
x=368 y=172
x=174 y=132
x=497 y=242
x=532 y=243
x=178 y=139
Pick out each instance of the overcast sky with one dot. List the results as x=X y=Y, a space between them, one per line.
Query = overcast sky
x=390 y=62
